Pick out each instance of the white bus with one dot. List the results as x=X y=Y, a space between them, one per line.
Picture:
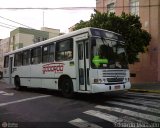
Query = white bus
x=88 y=60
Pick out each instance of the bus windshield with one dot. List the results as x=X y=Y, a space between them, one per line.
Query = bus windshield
x=108 y=54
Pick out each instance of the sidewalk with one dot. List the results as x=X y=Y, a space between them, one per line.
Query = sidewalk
x=146 y=87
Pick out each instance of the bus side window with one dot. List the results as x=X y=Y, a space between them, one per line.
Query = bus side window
x=6 y=61
x=26 y=57
x=36 y=55
x=64 y=50
x=18 y=59
x=48 y=53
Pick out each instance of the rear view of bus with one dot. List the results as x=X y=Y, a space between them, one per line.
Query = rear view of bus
x=108 y=62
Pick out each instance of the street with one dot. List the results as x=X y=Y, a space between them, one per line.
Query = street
x=47 y=108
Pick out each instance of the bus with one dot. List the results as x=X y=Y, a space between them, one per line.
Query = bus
x=89 y=60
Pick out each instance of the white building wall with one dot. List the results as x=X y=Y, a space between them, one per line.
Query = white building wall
x=26 y=39
x=52 y=32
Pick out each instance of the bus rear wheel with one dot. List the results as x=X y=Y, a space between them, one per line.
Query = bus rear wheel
x=17 y=83
x=67 y=87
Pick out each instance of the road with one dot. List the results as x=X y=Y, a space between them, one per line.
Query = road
x=43 y=108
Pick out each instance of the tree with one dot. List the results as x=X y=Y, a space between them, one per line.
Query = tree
x=136 y=39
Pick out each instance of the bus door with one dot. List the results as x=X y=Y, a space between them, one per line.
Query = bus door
x=83 y=65
x=10 y=68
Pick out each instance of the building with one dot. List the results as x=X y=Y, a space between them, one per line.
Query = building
x=148 y=69
x=4 y=48
x=22 y=37
x=52 y=32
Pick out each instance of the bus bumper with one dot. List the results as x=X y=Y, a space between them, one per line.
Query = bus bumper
x=96 y=88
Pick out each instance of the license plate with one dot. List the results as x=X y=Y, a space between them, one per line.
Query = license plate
x=117 y=87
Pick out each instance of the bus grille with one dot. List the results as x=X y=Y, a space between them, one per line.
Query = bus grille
x=115 y=79
x=114 y=73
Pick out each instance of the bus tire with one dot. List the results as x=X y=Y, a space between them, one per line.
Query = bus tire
x=17 y=83
x=67 y=87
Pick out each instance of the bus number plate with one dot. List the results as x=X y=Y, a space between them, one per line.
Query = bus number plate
x=117 y=87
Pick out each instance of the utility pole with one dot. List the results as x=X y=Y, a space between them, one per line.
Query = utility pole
x=43 y=19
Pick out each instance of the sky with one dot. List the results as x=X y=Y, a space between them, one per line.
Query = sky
x=36 y=18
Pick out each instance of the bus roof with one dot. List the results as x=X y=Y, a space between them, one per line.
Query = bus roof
x=71 y=34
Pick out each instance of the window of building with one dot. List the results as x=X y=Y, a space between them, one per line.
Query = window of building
x=44 y=38
x=6 y=61
x=26 y=57
x=36 y=55
x=48 y=53
x=111 y=7
x=38 y=39
x=18 y=59
x=134 y=7
x=64 y=50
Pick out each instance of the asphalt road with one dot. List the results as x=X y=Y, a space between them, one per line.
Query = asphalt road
x=43 y=108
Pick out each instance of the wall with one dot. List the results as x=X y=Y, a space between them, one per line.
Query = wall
x=4 y=48
x=26 y=39
x=22 y=37
x=52 y=32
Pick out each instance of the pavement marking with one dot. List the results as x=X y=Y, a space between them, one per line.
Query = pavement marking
x=83 y=124
x=135 y=106
x=103 y=116
x=130 y=113
x=23 y=100
x=112 y=118
x=142 y=98
x=143 y=95
x=115 y=119
x=1 y=92
x=141 y=101
x=151 y=94
x=6 y=94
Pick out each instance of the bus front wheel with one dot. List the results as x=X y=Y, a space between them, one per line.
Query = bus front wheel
x=67 y=87
x=17 y=83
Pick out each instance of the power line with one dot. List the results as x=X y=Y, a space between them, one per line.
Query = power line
x=45 y=8
x=15 y=22
x=71 y=8
x=8 y=25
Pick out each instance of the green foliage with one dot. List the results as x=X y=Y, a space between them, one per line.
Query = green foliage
x=128 y=25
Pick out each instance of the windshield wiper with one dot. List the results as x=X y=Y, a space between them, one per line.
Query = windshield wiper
x=103 y=40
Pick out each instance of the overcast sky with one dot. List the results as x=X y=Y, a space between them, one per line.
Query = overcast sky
x=53 y=18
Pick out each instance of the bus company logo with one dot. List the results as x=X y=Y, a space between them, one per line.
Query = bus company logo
x=53 y=67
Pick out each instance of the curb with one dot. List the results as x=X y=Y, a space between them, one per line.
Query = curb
x=145 y=91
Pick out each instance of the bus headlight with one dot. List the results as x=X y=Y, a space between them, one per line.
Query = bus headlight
x=95 y=80
x=99 y=80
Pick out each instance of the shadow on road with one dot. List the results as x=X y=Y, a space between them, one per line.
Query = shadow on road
x=99 y=98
